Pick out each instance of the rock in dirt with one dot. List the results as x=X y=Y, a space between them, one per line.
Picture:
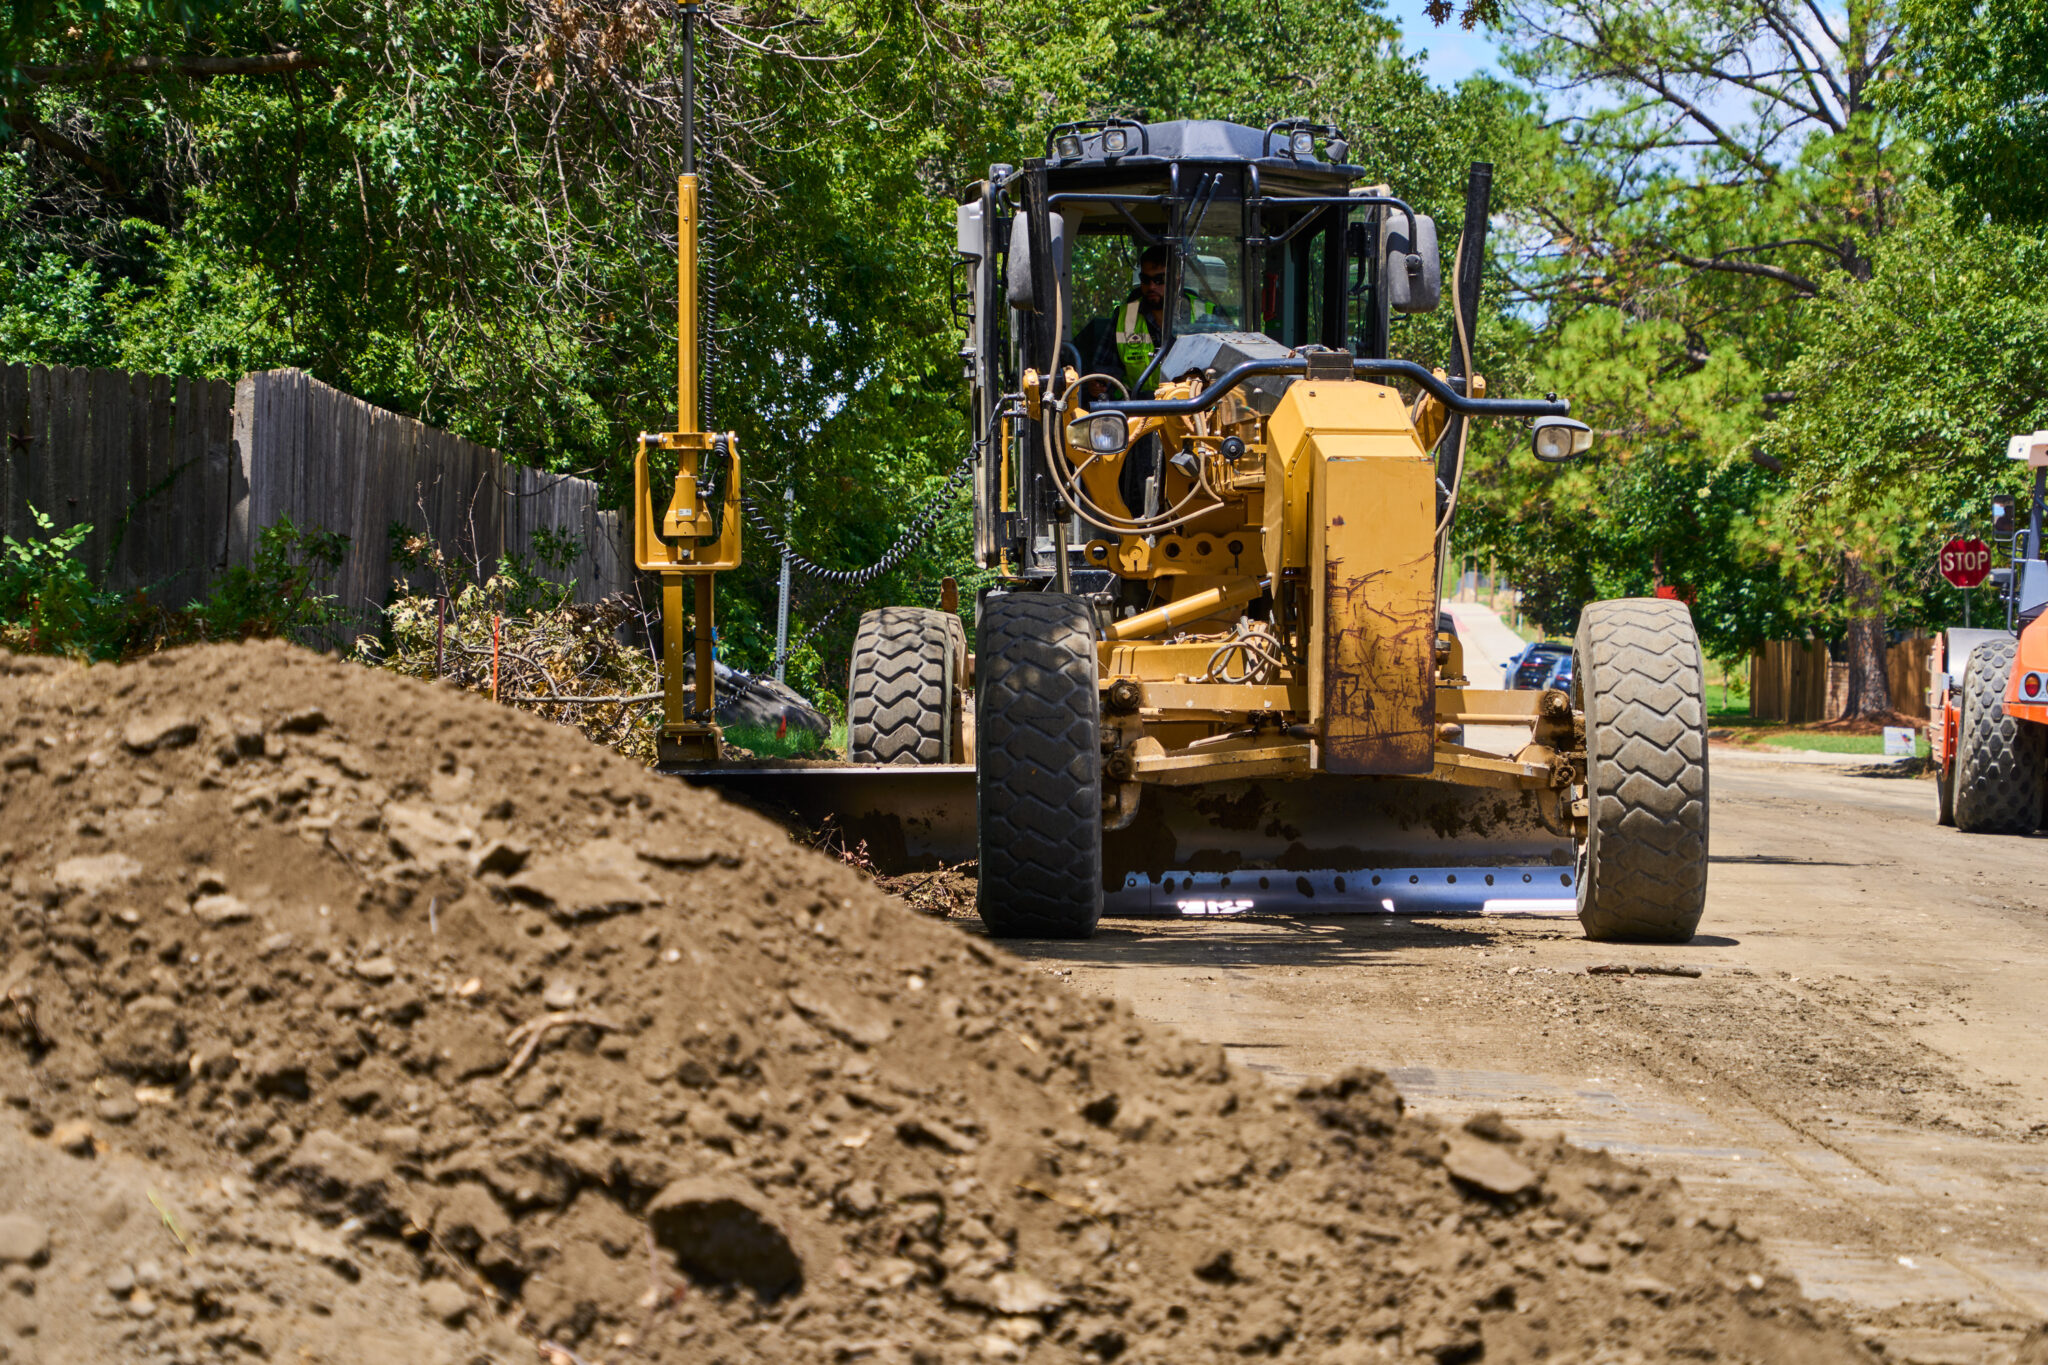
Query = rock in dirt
x=23 y=1240
x=422 y=835
x=74 y=1137
x=97 y=873
x=727 y=1233
x=149 y=1042
x=446 y=1301
x=377 y=969
x=330 y=1169
x=469 y=1217
x=597 y=878
x=1007 y=1294
x=221 y=909
x=166 y=730
x=865 y=1029
x=1483 y=1166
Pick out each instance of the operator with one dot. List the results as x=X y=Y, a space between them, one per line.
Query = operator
x=1142 y=323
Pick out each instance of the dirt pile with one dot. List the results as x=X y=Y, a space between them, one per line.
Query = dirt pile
x=348 y=1019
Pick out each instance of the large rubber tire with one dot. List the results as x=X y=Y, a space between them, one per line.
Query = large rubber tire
x=900 y=688
x=1999 y=760
x=1038 y=767
x=1643 y=867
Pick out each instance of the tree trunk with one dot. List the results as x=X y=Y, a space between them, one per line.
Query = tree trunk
x=1869 y=692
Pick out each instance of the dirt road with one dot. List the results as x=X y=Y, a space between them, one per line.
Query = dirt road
x=1858 y=1072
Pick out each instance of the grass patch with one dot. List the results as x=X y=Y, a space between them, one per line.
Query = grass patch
x=763 y=741
x=1837 y=744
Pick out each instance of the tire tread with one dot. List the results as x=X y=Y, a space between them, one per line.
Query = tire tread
x=899 y=686
x=1643 y=876
x=1038 y=789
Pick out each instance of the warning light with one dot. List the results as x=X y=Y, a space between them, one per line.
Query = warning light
x=2031 y=684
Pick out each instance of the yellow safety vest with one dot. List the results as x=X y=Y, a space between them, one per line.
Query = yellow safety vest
x=1134 y=344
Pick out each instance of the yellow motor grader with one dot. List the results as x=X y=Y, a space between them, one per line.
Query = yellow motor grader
x=1212 y=675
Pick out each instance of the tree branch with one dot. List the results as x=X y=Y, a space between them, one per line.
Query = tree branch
x=1757 y=268
x=199 y=68
x=44 y=136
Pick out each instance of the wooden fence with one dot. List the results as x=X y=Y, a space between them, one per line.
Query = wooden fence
x=145 y=460
x=1795 y=681
x=187 y=473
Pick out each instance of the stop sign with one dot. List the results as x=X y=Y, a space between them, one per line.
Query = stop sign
x=1965 y=563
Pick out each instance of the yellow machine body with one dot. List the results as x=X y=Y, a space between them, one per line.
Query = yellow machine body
x=1333 y=509
x=689 y=539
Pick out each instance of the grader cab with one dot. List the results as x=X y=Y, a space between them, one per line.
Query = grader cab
x=1211 y=674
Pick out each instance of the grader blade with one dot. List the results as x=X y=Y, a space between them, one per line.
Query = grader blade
x=1334 y=845
x=900 y=818
x=1311 y=846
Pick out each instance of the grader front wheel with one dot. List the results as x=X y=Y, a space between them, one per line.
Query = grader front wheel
x=1643 y=866
x=1038 y=761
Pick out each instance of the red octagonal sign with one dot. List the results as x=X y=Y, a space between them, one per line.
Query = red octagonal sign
x=1965 y=563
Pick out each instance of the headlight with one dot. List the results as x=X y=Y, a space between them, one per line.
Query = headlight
x=1557 y=439
x=1068 y=145
x=1105 y=433
x=1304 y=143
x=1115 y=141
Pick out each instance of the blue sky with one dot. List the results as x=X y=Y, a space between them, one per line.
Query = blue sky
x=1453 y=53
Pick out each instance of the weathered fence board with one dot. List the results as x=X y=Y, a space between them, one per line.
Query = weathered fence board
x=126 y=454
x=1789 y=680
x=178 y=478
x=1905 y=668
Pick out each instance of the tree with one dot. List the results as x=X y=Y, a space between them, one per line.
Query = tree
x=1720 y=163
x=1972 y=80
x=1909 y=386
x=465 y=211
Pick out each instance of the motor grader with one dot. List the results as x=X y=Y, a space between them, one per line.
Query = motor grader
x=1210 y=675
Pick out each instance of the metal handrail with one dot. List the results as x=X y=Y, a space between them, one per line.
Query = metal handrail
x=1457 y=402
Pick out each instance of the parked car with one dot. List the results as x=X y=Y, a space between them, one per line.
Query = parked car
x=1532 y=667
x=1561 y=675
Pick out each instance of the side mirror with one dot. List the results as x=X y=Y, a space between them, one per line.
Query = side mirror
x=2004 y=515
x=1412 y=273
x=1558 y=439
x=1018 y=278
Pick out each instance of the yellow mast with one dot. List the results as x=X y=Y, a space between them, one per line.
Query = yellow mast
x=678 y=549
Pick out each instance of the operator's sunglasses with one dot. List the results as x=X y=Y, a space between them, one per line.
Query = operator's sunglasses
x=1151 y=277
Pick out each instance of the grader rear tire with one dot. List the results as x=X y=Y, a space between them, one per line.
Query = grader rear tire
x=1643 y=866
x=1998 y=759
x=900 y=689
x=1038 y=762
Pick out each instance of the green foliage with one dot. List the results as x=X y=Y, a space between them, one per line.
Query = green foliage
x=1713 y=169
x=1908 y=390
x=1973 y=82
x=277 y=592
x=447 y=209
x=49 y=603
